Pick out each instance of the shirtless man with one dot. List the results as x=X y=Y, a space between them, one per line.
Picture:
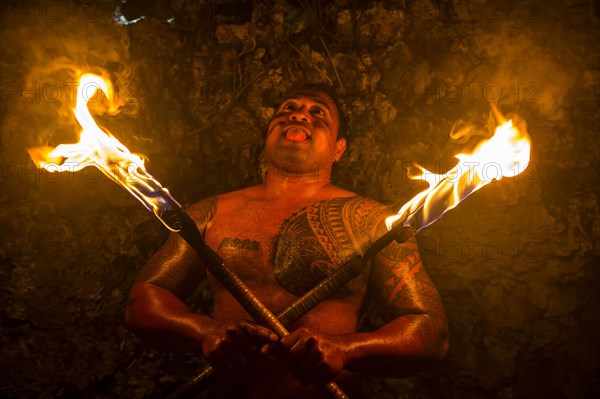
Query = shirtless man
x=282 y=237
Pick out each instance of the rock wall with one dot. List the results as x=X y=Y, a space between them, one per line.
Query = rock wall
x=516 y=263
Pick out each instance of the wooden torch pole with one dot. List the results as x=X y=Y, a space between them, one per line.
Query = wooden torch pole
x=188 y=230
x=306 y=302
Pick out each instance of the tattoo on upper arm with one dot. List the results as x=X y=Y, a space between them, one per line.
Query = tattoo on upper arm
x=404 y=283
x=363 y=216
x=406 y=291
x=203 y=212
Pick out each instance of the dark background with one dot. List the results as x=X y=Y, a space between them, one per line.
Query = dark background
x=516 y=264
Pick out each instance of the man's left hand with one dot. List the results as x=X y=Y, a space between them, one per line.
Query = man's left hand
x=312 y=357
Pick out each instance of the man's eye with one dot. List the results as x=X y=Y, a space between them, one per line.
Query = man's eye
x=317 y=110
x=290 y=107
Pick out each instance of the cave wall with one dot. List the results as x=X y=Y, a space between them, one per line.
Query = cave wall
x=516 y=263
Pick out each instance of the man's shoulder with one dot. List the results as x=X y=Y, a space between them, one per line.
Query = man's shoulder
x=243 y=193
x=359 y=203
x=203 y=210
x=355 y=219
x=360 y=215
x=364 y=213
x=211 y=202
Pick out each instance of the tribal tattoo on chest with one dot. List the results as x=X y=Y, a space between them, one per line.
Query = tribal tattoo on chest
x=313 y=242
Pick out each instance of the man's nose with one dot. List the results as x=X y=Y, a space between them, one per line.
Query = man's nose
x=299 y=115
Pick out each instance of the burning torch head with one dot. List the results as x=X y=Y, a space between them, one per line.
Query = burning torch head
x=96 y=147
x=504 y=154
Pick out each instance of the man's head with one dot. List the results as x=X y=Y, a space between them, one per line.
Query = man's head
x=311 y=89
x=308 y=130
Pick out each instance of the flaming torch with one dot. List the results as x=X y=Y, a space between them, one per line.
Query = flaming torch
x=505 y=154
x=102 y=150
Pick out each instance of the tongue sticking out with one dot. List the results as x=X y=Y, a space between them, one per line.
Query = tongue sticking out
x=296 y=135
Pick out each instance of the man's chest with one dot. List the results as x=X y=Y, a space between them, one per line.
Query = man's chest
x=292 y=248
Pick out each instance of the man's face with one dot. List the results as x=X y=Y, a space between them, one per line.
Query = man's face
x=302 y=135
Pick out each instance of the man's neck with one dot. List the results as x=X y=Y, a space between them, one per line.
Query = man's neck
x=282 y=185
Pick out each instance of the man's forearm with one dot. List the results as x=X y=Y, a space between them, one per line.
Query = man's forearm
x=163 y=321
x=403 y=347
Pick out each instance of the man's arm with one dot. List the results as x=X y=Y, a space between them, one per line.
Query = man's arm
x=157 y=314
x=415 y=337
x=156 y=311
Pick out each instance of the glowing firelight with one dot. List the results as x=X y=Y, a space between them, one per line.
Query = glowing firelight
x=99 y=148
x=506 y=153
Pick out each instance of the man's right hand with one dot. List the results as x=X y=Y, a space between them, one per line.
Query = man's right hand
x=232 y=345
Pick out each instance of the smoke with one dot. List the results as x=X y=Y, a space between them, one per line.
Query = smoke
x=530 y=60
x=529 y=74
x=535 y=60
x=45 y=47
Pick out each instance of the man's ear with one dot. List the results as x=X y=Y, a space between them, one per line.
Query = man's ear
x=340 y=147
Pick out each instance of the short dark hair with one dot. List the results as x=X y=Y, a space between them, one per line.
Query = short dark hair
x=343 y=129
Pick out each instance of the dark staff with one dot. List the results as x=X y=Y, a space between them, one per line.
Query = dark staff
x=342 y=276
x=180 y=222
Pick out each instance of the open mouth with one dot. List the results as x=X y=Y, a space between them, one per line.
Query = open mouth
x=296 y=133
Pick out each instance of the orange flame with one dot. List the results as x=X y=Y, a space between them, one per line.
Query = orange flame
x=506 y=153
x=102 y=150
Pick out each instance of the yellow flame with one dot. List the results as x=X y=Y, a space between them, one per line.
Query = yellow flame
x=505 y=154
x=99 y=148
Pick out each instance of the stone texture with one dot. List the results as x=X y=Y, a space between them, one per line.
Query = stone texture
x=516 y=263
